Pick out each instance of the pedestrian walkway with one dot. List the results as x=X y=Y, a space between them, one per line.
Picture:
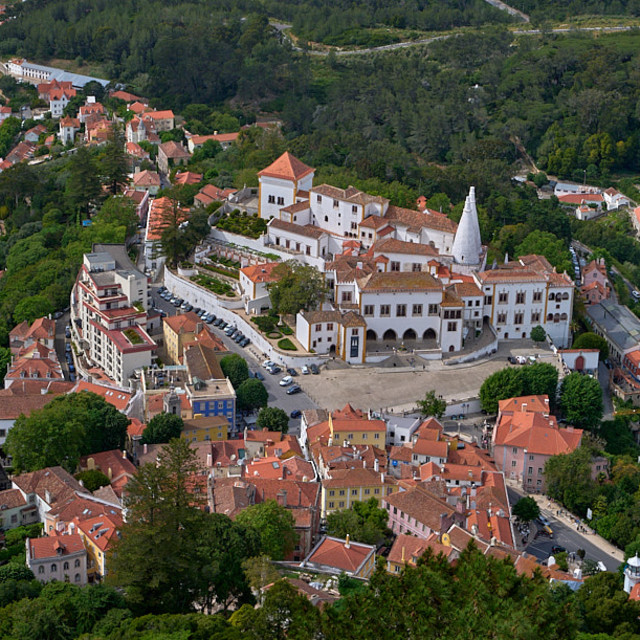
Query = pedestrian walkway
x=550 y=508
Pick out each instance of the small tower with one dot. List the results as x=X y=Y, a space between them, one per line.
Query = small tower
x=171 y=403
x=467 y=245
x=631 y=573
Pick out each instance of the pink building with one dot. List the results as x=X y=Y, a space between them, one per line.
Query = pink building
x=526 y=436
x=595 y=283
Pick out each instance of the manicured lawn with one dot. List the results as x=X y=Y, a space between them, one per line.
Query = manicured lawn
x=213 y=284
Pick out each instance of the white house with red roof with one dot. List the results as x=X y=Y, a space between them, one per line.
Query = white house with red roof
x=109 y=313
x=67 y=129
x=337 y=556
x=225 y=140
x=614 y=199
x=253 y=286
x=62 y=558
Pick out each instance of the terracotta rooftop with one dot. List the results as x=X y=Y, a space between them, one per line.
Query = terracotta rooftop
x=11 y=499
x=407 y=549
x=301 y=230
x=391 y=245
x=339 y=478
x=420 y=504
x=51 y=547
x=415 y=220
x=287 y=167
x=101 y=530
x=261 y=272
x=115 y=396
x=399 y=281
x=52 y=482
x=340 y=554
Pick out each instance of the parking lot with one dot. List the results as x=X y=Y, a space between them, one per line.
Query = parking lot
x=278 y=396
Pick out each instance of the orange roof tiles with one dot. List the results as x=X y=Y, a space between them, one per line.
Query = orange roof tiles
x=407 y=549
x=287 y=167
x=51 y=547
x=261 y=272
x=12 y=499
x=339 y=478
x=415 y=220
x=100 y=530
x=534 y=404
x=187 y=177
x=187 y=322
x=420 y=504
x=399 y=281
x=115 y=396
x=338 y=554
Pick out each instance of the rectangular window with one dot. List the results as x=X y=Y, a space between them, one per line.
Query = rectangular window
x=346 y=296
x=341 y=492
x=376 y=436
x=416 y=266
x=385 y=310
x=330 y=326
x=336 y=204
x=395 y=266
x=502 y=318
x=401 y=310
x=354 y=208
x=354 y=492
x=433 y=309
x=368 y=309
x=319 y=199
x=535 y=316
x=503 y=298
x=519 y=318
x=318 y=327
x=280 y=200
x=417 y=310
x=537 y=296
x=488 y=299
x=520 y=297
x=514 y=450
x=513 y=463
x=530 y=470
x=367 y=491
x=354 y=226
x=331 y=505
x=376 y=491
x=452 y=326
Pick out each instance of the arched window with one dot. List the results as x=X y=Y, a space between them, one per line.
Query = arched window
x=552 y=296
x=65 y=566
x=563 y=316
x=565 y=296
x=54 y=567
x=41 y=569
x=77 y=578
x=550 y=317
x=76 y=564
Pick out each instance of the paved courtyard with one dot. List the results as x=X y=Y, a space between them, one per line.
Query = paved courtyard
x=398 y=388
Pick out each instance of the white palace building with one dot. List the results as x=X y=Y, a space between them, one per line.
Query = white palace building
x=401 y=275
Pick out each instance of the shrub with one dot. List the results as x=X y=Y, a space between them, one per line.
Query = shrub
x=274 y=335
x=133 y=336
x=286 y=330
x=213 y=284
x=286 y=345
x=538 y=334
x=265 y=323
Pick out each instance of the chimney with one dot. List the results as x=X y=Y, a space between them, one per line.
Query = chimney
x=376 y=465
x=364 y=463
x=145 y=448
x=382 y=477
x=474 y=529
x=47 y=496
x=359 y=265
x=347 y=543
x=209 y=460
x=124 y=454
x=81 y=483
x=109 y=473
x=402 y=554
x=282 y=498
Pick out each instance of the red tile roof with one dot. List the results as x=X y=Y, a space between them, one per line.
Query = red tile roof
x=340 y=554
x=287 y=167
x=261 y=272
x=115 y=396
x=51 y=547
x=12 y=499
x=187 y=177
x=101 y=530
x=407 y=549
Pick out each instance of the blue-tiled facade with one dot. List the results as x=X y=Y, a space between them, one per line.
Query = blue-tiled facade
x=208 y=408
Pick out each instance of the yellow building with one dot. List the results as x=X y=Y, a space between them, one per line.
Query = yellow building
x=97 y=534
x=346 y=486
x=176 y=331
x=348 y=425
x=201 y=429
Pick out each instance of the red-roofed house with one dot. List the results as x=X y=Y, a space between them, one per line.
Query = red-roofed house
x=225 y=140
x=114 y=464
x=42 y=330
x=336 y=556
x=59 y=99
x=97 y=534
x=407 y=549
x=524 y=440
x=14 y=510
x=253 y=285
x=62 y=558
x=172 y=154
x=160 y=213
x=67 y=129
x=147 y=181
x=210 y=193
x=187 y=177
x=90 y=109
x=119 y=398
x=279 y=183
x=163 y=120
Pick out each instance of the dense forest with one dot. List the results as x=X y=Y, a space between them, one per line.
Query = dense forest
x=554 y=10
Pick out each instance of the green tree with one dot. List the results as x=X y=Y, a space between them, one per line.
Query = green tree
x=5 y=359
x=581 y=401
x=93 y=479
x=503 y=384
x=273 y=419
x=526 y=509
x=618 y=436
x=171 y=223
x=548 y=245
x=113 y=162
x=32 y=308
x=13 y=571
x=65 y=429
x=432 y=405
x=365 y=522
x=162 y=514
x=538 y=334
x=83 y=184
x=540 y=378
x=235 y=368
x=274 y=525
x=592 y=341
x=162 y=428
x=297 y=287
x=252 y=394
x=260 y=572
x=118 y=211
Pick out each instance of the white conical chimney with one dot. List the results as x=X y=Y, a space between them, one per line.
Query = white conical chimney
x=467 y=245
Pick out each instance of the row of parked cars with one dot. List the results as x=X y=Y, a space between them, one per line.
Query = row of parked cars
x=288 y=381
x=209 y=318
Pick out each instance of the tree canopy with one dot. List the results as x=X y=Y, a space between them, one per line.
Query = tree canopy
x=432 y=405
x=581 y=400
x=590 y=340
x=273 y=419
x=162 y=428
x=526 y=509
x=363 y=522
x=252 y=394
x=68 y=427
x=235 y=368
x=298 y=286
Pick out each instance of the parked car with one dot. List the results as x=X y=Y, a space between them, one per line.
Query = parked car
x=512 y=360
x=296 y=413
x=521 y=360
x=71 y=368
x=244 y=342
x=291 y=371
x=217 y=322
x=293 y=389
x=209 y=318
x=267 y=364
x=72 y=377
x=305 y=370
x=238 y=338
x=314 y=369
x=557 y=549
x=286 y=381
x=223 y=324
x=188 y=308
x=57 y=315
x=258 y=375
x=162 y=289
x=67 y=332
x=274 y=370
x=67 y=347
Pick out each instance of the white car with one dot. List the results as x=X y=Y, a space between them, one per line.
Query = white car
x=521 y=360
x=267 y=364
x=286 y=381
x=305 y=370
